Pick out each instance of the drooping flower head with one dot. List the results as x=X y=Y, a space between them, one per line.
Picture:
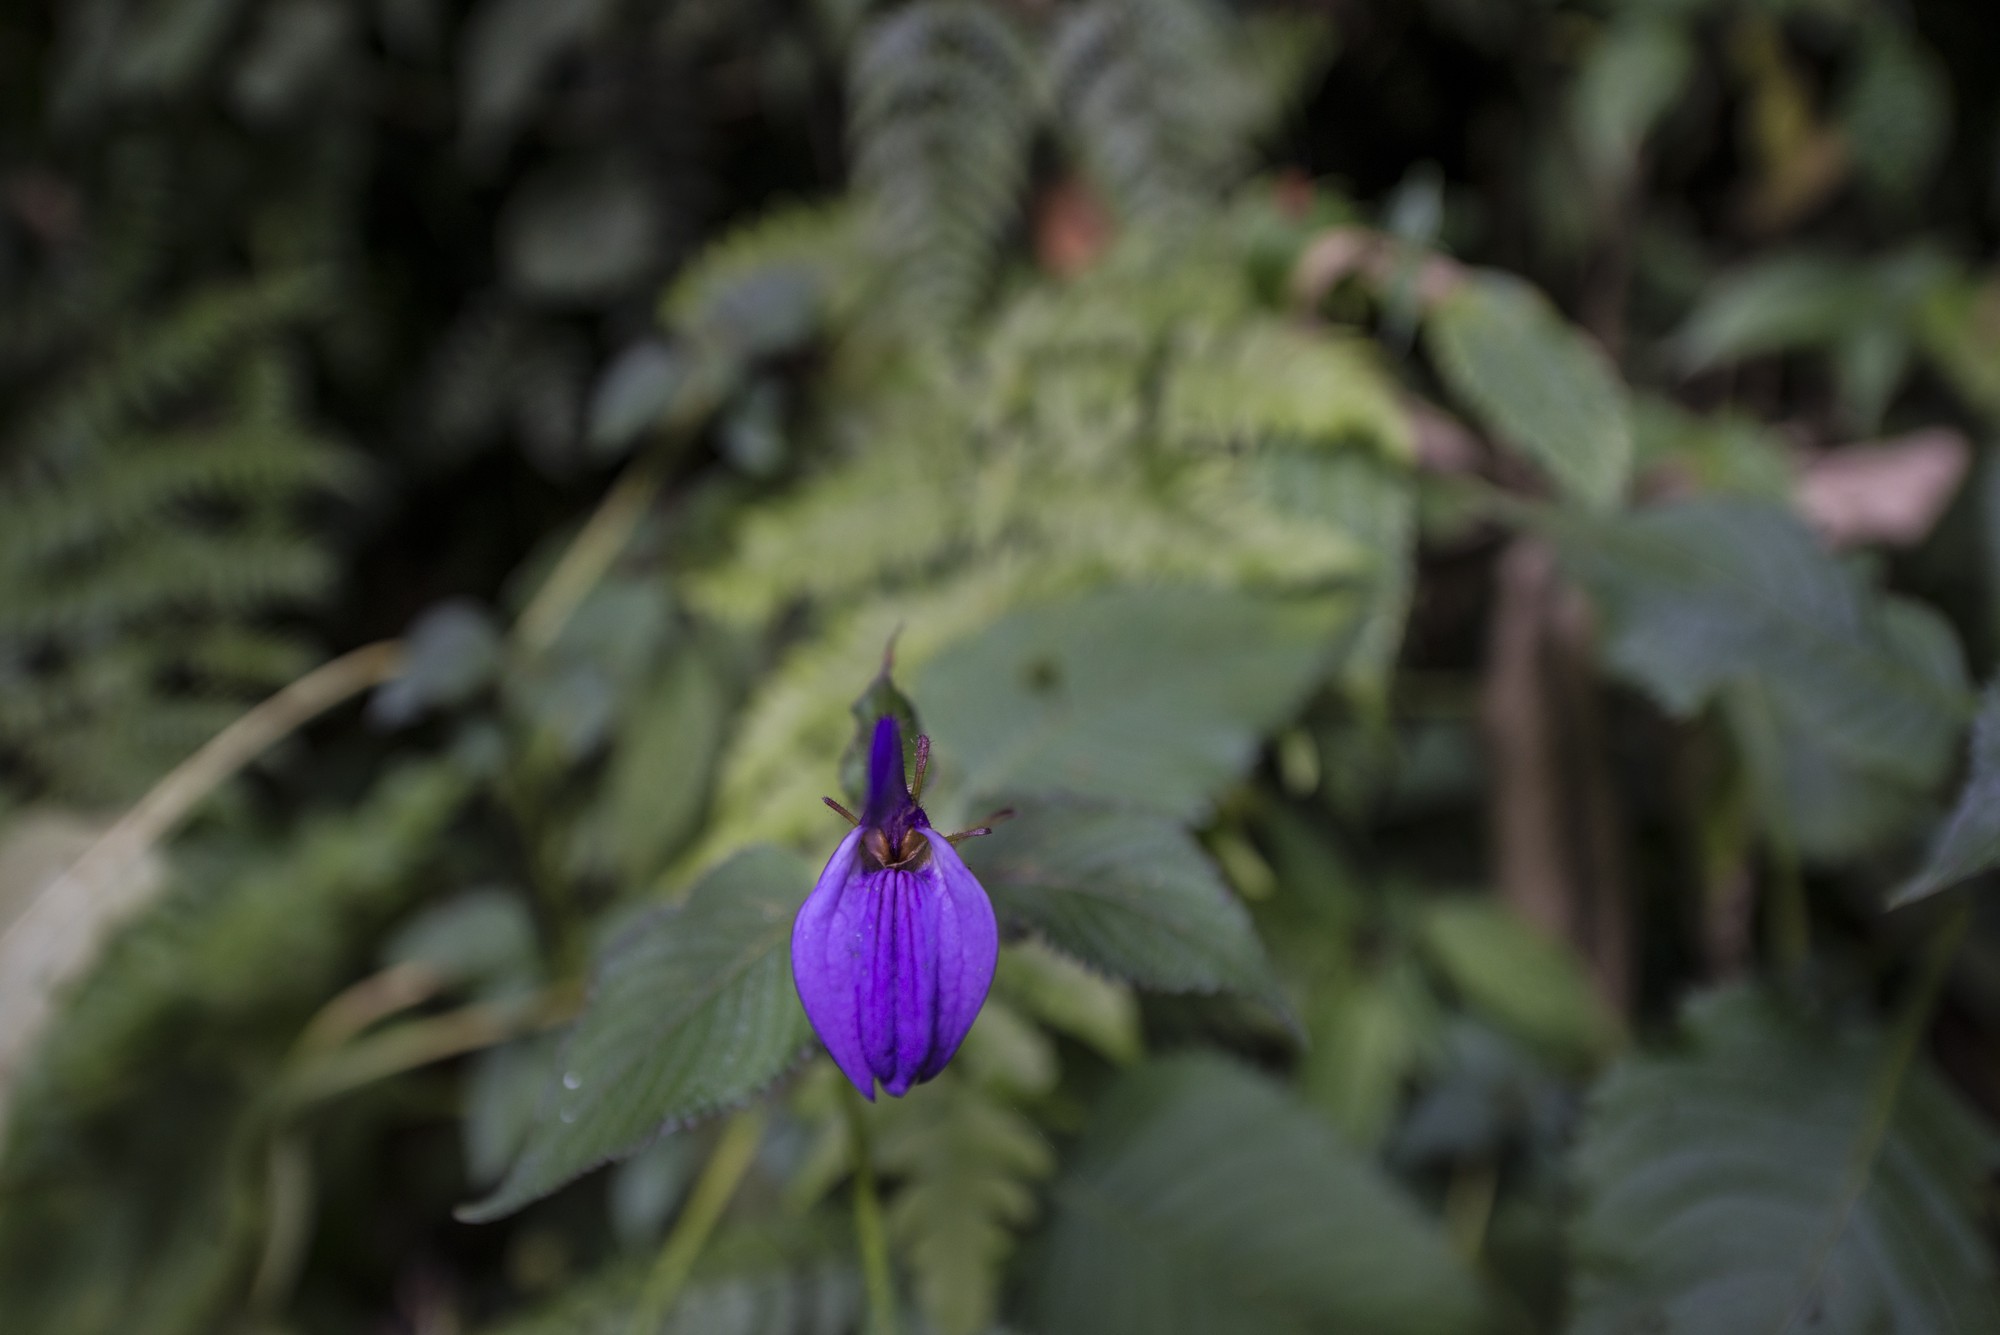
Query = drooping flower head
x=893 y=952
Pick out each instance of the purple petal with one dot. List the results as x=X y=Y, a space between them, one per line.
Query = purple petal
x=888 y=790
x=892 y=966
x=828 y=957
x=968 y=946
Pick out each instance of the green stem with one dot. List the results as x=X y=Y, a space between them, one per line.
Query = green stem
x=1913 y=1021
x=603 y=537
x=711 y=1196
x=868 y=1231
x=1791 y=917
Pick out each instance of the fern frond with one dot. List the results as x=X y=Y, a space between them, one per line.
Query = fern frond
x=945 y=102
x=145 y=369
x=1154 y=102
x=169 y=572
x=968 y=1161
x=154 y=511
x=141 y=478
x=1146 y=422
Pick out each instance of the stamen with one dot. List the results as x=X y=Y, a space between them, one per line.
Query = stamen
x=1002 y=815
x=852 y=819
x=923 y=767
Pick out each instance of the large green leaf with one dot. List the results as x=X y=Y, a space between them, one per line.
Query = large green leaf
x=1203 y=1198
x=1630 y=81
x=1704 y=593
x=1528 y=983
x=1969 y=842
x=1537 y=383
x=1757 y=1180
x=1127 y=893
x=1153 y=696
x=692 y=1011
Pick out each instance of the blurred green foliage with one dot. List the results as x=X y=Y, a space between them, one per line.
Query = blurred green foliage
x=1466 y=531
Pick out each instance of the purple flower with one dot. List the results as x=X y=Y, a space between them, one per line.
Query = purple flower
x=893 y=951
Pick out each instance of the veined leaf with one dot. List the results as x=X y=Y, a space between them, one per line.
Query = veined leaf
x=1540 y=385
x=1151 y=696
x=1630 y=80
x=1203 y=1198
x=1699 y=594
x=692 y=1012
x=1969 y=842
x=1127 y=893
x=1757 y=1180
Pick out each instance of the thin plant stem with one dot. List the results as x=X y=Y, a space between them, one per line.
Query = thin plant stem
x=587 y=559
x=176 y=796
x=1790 y=916
x=869 y=1235
x=1468 y=1207
x=712 y=1193
x=415 y=1043
x=1913 y=1021
x=288 y=1206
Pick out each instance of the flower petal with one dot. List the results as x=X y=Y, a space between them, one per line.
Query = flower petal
x=899 y=995
x=967 y=948
x=830 y=952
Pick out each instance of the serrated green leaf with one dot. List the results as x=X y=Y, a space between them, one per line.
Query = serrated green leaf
x=692 y=1011
x=503 y=1088
x=1156 y=697
x=1754 y=1181
x=1698 y=594
x=1538 y=383
x=1969 y=842
x=1127 y=893
x=1523 y=981
x=1203 y=1198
